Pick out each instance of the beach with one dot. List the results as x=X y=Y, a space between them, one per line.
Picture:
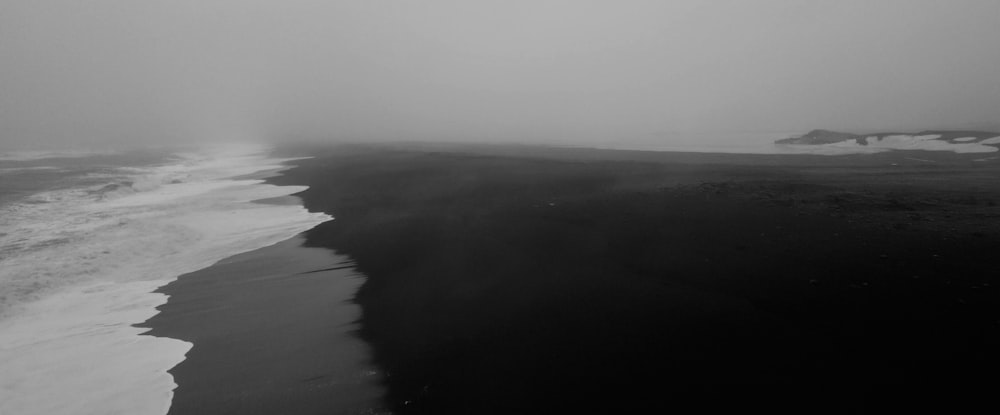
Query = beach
x=430 y=278
x=518 y=279
x=271 y=331
x=360 y=207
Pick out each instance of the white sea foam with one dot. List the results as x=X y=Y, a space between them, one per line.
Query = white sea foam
x=78 y=267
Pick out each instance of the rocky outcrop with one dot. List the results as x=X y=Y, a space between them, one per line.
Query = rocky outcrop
x=820 y=137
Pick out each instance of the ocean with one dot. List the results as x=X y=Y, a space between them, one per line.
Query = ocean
x=86 y=238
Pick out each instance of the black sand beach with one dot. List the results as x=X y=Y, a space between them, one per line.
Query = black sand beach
x=272 y=333
x=540 y=280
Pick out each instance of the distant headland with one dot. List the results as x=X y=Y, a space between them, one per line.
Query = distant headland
x=960 y=141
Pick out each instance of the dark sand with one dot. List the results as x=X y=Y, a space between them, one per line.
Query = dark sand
x=271 y=336
x=540 y=280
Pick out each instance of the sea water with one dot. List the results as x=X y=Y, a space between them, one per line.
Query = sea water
x=86 y=239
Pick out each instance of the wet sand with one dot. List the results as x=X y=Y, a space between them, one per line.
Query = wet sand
x=506 y=279
x=273 y=333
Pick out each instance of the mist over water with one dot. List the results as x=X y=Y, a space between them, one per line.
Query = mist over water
x=112 y=73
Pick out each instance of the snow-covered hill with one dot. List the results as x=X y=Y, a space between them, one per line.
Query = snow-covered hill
x=956 y=141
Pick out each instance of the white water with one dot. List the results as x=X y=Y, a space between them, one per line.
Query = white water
x=78 y=267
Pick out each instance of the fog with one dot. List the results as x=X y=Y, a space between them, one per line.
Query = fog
x=114 y=72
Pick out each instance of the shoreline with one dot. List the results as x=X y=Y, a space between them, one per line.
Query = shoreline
x=271 y=331
x=86 y=263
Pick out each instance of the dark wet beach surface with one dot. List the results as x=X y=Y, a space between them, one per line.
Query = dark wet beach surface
x=500 y=280
x=518 y=280
x=273 y=333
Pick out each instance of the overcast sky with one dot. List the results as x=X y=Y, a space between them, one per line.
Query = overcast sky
x=112 y=71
